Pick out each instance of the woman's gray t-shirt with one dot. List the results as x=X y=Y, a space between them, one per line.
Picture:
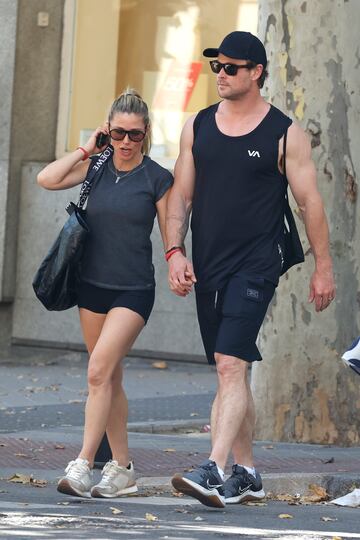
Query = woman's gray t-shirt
x=120 y=216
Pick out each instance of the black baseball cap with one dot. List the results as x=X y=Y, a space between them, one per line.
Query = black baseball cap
x=240 y=45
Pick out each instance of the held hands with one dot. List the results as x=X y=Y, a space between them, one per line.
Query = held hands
x=322 y=287
x=181 y=274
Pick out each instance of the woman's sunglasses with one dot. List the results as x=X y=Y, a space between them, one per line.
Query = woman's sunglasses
x=230 y=69
x=119 y=134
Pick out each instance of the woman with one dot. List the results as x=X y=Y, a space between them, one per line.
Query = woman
x=116 y=293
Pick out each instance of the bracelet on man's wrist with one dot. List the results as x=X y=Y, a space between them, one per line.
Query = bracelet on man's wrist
x=171 y=252
x=175 y=247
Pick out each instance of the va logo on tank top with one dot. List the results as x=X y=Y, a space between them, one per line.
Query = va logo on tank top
x=254 y=153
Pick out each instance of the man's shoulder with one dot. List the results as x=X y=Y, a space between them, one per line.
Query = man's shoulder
x=202 y=115
x=280 y=114
x=207 y=110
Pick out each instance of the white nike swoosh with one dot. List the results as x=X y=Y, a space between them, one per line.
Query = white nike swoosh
x=211 y=486
x=241 y=491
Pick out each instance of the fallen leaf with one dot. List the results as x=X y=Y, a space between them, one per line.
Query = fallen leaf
x=318 y=490
x=326 y=518
x=177 y=494
x=19 y=454
x=151 y=517
x=169 y=450
x=116 y=510
x=317 y=494
x=285 y=516
x=252 y=503
x=59 y=446
x=38 y=483
x=27 y=479
x=268 y=447
x=160 y=364
x=194 y=414
x=20 y=478
x=337 y=538
x=285 y=497
x=181 y=510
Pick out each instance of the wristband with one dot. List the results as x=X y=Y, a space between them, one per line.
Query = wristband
x=86 y=154
x=171 y=252
x=174 y=247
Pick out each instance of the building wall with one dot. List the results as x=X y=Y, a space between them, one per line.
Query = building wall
x=8 y=18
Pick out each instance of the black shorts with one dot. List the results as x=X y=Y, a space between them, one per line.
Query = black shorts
x=101 y=300
x=230 y=319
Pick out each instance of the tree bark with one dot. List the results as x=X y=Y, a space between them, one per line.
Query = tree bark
x=302 y=391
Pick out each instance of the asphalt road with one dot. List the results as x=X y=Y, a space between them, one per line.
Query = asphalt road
x=29 y=512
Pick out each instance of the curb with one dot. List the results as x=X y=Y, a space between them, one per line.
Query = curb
x=172 y=426
x=294 y=484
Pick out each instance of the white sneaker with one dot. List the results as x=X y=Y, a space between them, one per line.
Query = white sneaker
x=351 y=357
x=116 y=481
x=77 y=480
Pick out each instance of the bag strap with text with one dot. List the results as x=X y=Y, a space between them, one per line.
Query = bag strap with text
x=96 y=165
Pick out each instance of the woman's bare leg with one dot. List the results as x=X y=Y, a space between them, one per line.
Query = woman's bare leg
x=119 y=331
x=116 y=428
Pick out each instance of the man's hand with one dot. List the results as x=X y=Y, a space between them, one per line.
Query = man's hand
x=181 y=274
x=322 y=287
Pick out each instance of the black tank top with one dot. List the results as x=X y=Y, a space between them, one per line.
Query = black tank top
x=238 y=203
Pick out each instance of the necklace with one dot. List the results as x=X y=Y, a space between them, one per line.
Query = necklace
x=121 y=174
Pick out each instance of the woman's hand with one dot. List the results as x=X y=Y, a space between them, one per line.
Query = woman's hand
x=90 y=145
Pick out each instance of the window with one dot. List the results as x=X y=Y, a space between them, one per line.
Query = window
x=154 y=46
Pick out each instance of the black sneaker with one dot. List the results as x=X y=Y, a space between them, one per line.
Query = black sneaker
x=242 y=486
x=203 y=483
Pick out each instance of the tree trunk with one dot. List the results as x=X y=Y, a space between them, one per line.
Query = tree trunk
x=302 y=391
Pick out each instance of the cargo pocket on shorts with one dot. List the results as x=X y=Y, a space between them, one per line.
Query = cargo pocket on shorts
x=243 y=295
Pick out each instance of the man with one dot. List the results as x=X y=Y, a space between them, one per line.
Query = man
x=230 y=174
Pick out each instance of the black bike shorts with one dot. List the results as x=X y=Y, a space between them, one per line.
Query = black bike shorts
x=230 y=319
x=100 y=300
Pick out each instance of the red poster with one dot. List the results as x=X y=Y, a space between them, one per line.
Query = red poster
x=178 y=86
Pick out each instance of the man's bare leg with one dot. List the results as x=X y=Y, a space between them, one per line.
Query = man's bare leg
x=231 y=405
x=242 y=448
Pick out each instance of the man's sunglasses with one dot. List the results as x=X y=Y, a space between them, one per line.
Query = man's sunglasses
x=119 y=134
x=230 y=69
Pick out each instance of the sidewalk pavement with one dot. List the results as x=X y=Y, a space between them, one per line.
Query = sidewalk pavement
x=42 y=396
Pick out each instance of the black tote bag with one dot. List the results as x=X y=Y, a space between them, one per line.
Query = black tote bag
x=293 y=251
x=55 y=283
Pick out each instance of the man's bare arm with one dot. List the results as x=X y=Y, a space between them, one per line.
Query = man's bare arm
x=181 y=273
x=301 y=175
x=180 y=198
